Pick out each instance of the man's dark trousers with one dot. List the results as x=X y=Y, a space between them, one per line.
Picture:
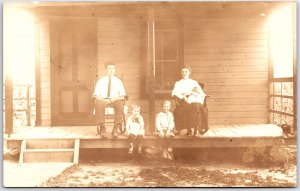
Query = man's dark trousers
x=100 y=106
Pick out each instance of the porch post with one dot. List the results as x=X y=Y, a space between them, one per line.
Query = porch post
x=28 y=111
x=8 y=101
x=151 y=70
x=294 y=130
x=7 y=54
x=37 y=74
x=270 y=78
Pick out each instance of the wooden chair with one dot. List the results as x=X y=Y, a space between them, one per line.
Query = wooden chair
x=180 y=122
x=110 y=114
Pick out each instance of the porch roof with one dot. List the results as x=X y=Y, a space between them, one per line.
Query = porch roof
x=161 y=9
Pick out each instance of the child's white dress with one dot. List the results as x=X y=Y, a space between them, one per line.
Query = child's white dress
x=196 y=98
x=164 y=121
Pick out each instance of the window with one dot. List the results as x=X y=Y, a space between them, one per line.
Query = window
x=166 y=56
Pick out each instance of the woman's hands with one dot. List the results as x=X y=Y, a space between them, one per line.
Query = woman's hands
x=185 y=98
x=105 y=100
x=161 y=134
x=186 y=95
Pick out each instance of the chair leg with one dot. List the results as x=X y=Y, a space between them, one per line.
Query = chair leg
x=98 y=129
x=114 y=131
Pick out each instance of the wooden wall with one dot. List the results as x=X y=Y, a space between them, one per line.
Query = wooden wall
x=120 y=41
x=43 y=64
x=230 y=56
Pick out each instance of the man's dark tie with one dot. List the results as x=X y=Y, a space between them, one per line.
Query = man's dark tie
x=108 y=86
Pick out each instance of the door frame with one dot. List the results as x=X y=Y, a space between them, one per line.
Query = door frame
x=57 y=118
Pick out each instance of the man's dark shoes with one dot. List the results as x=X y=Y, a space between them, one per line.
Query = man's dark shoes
x=203 y=131
x=98 y=130
x=176 y=132
x=103 y=131
x=114 y=135
x=114 y=132
x=189 y=132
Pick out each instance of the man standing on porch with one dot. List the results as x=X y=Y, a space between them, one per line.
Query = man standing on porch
x=109 y=91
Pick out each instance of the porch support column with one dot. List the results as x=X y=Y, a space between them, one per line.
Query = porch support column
x=8 y=74
x=151 y=70
x=37 y=74
x=294 y=130
x=8 y=101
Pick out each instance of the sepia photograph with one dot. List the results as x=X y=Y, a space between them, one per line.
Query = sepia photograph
x=149 y=94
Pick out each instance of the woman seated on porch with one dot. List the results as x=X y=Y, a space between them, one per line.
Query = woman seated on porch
x=190 y=111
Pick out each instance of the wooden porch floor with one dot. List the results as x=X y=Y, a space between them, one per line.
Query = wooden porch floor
x=89 y=132
x=239 y=135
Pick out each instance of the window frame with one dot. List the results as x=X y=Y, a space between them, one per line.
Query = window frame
x=166 y=93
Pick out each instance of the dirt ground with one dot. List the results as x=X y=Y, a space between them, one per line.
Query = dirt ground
x=190 y=168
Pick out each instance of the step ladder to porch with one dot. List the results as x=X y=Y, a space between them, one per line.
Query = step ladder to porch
x=49 y=150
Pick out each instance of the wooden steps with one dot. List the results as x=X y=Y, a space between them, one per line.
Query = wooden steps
x=49 y=150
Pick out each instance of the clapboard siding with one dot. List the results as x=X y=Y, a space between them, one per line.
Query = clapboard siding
x=225 y=44
x=237 y=101
x=239 y=82
x=225 y=108
x=233 y=75
x=230 y=56
x=232 y=62
x=248 y=88
x=119 y=41
x=231 y=69
x=223 y=55
x=228 y=62
x=45 y=78
x=237 y=120
x=111 y=47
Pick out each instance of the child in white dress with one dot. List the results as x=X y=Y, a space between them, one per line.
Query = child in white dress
x=165 y=127
x=135 y=129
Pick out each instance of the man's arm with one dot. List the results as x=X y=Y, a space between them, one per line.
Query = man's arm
x=121 y=92
x=112 y=99
x=97 y=92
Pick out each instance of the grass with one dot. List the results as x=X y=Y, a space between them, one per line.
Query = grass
x=182 y=172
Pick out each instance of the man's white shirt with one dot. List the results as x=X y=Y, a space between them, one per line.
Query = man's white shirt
x=117 y=88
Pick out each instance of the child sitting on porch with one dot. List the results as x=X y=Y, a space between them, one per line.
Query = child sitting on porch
x=135 y=129
x=164 y=127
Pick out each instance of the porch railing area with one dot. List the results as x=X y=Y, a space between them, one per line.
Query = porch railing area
x=24 y=106
x=283 y=102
